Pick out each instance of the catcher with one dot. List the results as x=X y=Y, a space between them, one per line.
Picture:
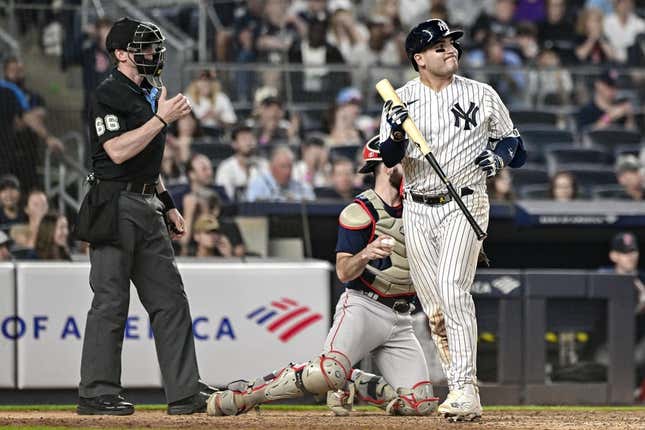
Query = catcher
x=372 y=315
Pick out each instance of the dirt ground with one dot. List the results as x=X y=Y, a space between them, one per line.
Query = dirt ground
x=547 y=420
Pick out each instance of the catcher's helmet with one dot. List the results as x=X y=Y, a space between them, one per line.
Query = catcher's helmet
x=140 y=39
x=371 y=155
x=428 y=33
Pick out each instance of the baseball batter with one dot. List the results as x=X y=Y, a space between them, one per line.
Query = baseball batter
x=470 y=133
x=372 y=315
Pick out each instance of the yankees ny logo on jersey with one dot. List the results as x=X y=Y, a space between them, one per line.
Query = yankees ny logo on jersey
x=469 y=117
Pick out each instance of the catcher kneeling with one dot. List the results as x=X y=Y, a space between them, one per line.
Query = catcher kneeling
x=372 y=315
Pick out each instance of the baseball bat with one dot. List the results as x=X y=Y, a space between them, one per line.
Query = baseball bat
x=386 y=91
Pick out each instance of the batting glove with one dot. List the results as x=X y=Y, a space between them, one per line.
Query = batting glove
x=395 y=116
x=489 y=163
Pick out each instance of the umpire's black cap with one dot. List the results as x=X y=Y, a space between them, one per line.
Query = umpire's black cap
x=121 y=34
x=428 y=33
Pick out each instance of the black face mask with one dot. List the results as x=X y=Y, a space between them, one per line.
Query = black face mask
x=148 y=40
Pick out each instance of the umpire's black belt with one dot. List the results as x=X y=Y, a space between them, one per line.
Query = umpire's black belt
x=139 y=187
x=401 y=304
x=436 y=199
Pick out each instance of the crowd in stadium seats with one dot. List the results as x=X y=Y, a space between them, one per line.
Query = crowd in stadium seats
x=251 y=138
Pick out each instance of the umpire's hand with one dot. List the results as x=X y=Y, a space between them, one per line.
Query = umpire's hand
x=176 y=225
x=170 y=110
x=395 y=116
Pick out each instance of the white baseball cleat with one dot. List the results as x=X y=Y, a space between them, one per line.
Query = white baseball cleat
x=462 y=404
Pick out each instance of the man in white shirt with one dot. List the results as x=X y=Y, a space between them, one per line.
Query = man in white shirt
x=622 y=27
x=236 y=171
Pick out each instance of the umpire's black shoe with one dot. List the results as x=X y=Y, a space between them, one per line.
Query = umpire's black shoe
x=193 y=404
x=107 y=404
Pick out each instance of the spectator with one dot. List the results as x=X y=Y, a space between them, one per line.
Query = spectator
x=278 y=31
x=592 y=47
x=210 y=241
x=555 y=32
x=270 y=127
x=389 y=10
x=95 y=61
x=344 y=118
x=10 y=210
x=622 y=27
x=380 y=49
x=172 y=172
x=604 y=110
x=227 y=226
x=624 y=254
x=211 y=105
x=51 y=240
x=563 y=187
x=500 y=24
x=36 y=208
x=181 y=135
x=500 y=187
x=345 y=32
x=276 y=184
x=509 y=82
x=527 y=42
x=235 y=172
x=550 y=84
x=200 y=175
x=605 y=6
x=529 y=10
x=628 y=174
x=314 y=52
x=5 y=242
x=342 y=181
x=312 y=169
x=247 y=28
x=24 y=135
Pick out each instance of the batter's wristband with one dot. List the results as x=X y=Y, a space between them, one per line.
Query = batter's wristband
x=167 y=201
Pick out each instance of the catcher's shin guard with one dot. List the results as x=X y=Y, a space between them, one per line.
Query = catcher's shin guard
x=324 y=373
x=373 y=389
x=416 y=401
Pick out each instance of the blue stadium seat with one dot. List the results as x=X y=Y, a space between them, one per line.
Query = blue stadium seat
x=541 y=137
x=589 y=175
x=216 y=151
x=609 y=138
x=531 y=118
x=557 y=156
x=529 y=174
x=627 y=149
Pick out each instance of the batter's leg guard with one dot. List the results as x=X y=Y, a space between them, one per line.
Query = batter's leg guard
x=373 y=389
x=326 y=372
x=416 y=401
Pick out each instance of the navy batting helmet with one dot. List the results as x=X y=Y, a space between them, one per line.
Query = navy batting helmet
x=428 y=33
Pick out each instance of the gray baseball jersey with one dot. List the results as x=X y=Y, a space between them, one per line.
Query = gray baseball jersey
x=458 y=122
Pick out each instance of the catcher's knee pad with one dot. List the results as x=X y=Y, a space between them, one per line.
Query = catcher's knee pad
x=326 y=372
x=373 y=389
x=237 y=399
x=416 y=401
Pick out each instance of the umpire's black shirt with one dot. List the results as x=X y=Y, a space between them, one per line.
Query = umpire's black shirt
x=119 y=106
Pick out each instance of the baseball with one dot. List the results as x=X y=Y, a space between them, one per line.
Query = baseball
x=388 y=241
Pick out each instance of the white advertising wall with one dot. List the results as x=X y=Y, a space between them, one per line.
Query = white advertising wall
x=248 y=319
x=9 y=326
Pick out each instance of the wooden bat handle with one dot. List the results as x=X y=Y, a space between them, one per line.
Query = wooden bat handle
x=386 y=91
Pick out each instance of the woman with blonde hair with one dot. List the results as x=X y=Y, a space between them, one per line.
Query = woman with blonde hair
x=211 y=106
x=51 y=240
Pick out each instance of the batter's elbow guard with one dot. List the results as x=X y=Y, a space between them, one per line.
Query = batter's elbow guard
x=511 y=150
x=519 y=159
x=392 y=152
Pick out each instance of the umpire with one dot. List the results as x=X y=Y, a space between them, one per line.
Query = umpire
x=122 y=217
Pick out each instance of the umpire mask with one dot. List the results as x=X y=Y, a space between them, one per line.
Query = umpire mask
x=140 y=40
x=148 y=41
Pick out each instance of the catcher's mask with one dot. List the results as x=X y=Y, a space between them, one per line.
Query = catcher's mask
x=140 y=40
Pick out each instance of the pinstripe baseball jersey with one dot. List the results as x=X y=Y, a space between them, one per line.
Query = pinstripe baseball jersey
x=457 y=122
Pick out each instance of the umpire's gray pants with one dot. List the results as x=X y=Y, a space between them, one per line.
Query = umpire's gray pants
x=145 y=256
